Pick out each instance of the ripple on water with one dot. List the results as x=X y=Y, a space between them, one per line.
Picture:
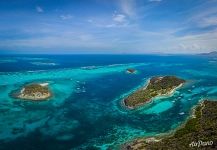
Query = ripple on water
x=17 y=120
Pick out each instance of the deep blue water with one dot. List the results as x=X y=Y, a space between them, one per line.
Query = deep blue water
x=26 y=62
x=86 y=111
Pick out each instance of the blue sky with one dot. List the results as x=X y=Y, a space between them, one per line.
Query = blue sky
x=108 y=26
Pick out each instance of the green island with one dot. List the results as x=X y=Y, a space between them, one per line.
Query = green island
x=156 y=86
x=198 y=132
x=34 y=92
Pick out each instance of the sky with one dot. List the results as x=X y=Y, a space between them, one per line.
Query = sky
x=107 y=26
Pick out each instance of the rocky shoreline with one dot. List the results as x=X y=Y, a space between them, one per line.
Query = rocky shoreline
x=198 y=132
x=131 y=71
x=156 y=86
x=34 y=92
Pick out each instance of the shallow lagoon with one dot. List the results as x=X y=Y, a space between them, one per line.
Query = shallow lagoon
x=86 y=109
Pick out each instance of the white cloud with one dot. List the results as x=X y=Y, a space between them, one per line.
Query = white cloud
x=39 y=9
x=128 y=7
x=110 y=25
x=119 y=18
x=202 y=42
x=140 y=42
x=208 y=21
x=189 y=47
x=204 y=18
x=114 y=21
x=66 y=17
x=125 y=34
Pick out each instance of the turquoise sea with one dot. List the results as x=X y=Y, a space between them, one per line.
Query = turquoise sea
x=85 y=111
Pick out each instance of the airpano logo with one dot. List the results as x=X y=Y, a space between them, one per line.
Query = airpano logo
x=200 y=143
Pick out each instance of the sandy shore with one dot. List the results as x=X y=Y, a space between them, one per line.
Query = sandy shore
x=37 y=96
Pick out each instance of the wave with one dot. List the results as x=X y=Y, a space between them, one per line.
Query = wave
x=44 y=63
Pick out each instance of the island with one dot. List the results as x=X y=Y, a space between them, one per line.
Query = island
x=156 y=86
x=210 y=54
x=198 y=132
x=34 y=92
x=130 y=70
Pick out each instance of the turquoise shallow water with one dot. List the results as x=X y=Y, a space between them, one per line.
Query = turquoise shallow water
x=160 y=107
x=86 y=110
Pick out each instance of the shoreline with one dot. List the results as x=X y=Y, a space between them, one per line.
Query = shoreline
x=35 y=99
x=168 y=94
x=36 y=96
x=159 y=137
x=123 y=98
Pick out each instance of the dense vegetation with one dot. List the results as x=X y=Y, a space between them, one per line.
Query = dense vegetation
x=157 y=86
x=35 y=88
x=199 y=132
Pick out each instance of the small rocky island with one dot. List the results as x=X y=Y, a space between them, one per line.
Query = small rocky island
x=34 y=92
x=130 y=70
x=156 y=86
x=199 y=132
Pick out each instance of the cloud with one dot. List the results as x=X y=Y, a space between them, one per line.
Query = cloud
x=119 y=18
x=66 y=17
x=115 y=20
x=128 y=7
x=196 y=22
x=130 y=29
x=201 y=42
x=209 y=21
x=134 y=40
x=205 y=18
x=187 y=47
x=39 y=9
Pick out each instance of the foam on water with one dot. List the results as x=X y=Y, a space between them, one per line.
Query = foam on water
x=20 y=77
